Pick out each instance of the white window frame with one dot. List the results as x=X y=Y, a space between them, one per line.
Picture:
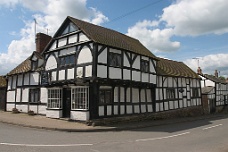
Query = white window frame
x=77 y=94
x=57 y=97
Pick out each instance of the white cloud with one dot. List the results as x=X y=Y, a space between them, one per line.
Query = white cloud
x=49 y=14
x=210 y=63
x=197 y=17
x=153 y=38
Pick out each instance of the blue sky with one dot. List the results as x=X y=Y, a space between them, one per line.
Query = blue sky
x=175 y=29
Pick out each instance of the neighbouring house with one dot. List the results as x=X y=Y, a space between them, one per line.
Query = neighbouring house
x=88 y=72
x=220 y=91
x=3 y=84
x=177 y=86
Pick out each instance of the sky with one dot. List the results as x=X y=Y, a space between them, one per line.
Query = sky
x=191 y=31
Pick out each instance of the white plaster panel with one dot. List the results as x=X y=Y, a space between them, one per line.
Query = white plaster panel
x=101 y=110
x=116 y=89
x=85 y=56
x=11 y=96
x=153 y=79
x=126 y=61
x=54 y=113
x=20 y=80
x=126 y=74
x=143 y=108
x=9 y=83
x=79 y=115
x=115 y=110
x=9 y=106
x=26 y=79
x=101 y=71
x=152 y=69
x=136 y=109
x=83 y=37
x=166 y=107
x=161 y=107
x=115 y=73
x=22 y=108
x=189 y=103
x=25 y=95
x=149 y=108
x=33 y=108
x=42 y=109
x=171 y=105
x=128 y=94
x=70 y=73
x=62 y=42
x=135 y=76
x=14 y=82
x=18 y=95
x=148 y=93
x=53 y=76
x=181 y=104
x=62 y=75
x=122 y=94
x=145 y=77
x=129 y=109
x=136 y=63
x=72 y=39
x=143 y=98
x=176 y=104
x=79 y=72
x=88 y=71
x=109 y=110
x=157 y=107
x=43 y=95
x=157 y=93
x=170 y=82
x=102 y=58
x=135 y=95
x=145 y=58
x=34 y=78
x=66 y=51
x=122 y=109
x=184 y=103
x=51 y=63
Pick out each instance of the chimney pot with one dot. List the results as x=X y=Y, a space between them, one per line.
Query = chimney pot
x=41 y=41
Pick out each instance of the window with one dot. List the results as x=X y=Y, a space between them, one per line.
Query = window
x=54 y=98
x=70 y=28
x=105 y=96
x=195 y=92
x=34 y=65
x=115 y=59
x=34 y=95
x=170 y=93
x=67 y=60
x=80 y=98
x=144 y=66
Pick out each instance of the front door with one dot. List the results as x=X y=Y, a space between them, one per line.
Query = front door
x=66 y=102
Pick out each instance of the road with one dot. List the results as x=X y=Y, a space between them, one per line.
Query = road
x=197 y=136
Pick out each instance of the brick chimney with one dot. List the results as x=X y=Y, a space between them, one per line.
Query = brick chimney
x=41 y=41
x=216 y=73
x=199 y=71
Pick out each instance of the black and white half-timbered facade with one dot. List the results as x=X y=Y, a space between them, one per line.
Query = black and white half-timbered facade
x=177 y=86
x=87 y=72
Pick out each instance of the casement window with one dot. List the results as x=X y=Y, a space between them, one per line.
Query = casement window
x=105 y=96
x=115 y=59
x=195 y=92
x=34 y=95
x=144 y=66
x=54 y=98
x=170 y=93
x=67 y=60
x=80 y=98
x=34 y=65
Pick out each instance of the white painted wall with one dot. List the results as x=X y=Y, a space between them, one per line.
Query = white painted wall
x=34 y=78
x=79 y=72
x=136 y=76
x=51 y=63
x=83 y=37
x=126 y=74
x=115 y=73
x=88 y=71
x=101 y=71
x=19 y=81
x=11 y=96
x=79 y=115
x=62 y=42
x=152 y=69
x=136 y=63
x=72 y=39
x=126 y=61
x=70 y=73
x=18 y=95
x=85 y=55
x=25 y=95
x=102 y=58
x=43 y=95
x=62 y=75
x=54 y=113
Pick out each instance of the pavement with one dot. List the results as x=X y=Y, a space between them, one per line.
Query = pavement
x=42 y=122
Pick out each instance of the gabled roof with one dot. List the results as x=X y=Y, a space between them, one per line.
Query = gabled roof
x=2 y=82
x=213 y=78
x=26 y=65
x=111 y=38
x=167 y=67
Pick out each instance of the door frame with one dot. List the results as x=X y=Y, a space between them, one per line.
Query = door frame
x=66 y=102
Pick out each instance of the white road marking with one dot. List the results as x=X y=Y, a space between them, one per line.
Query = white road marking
x=166 y=137
x=212 y=127
x=34 y=145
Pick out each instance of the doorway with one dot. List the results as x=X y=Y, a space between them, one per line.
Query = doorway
x=66 y=102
